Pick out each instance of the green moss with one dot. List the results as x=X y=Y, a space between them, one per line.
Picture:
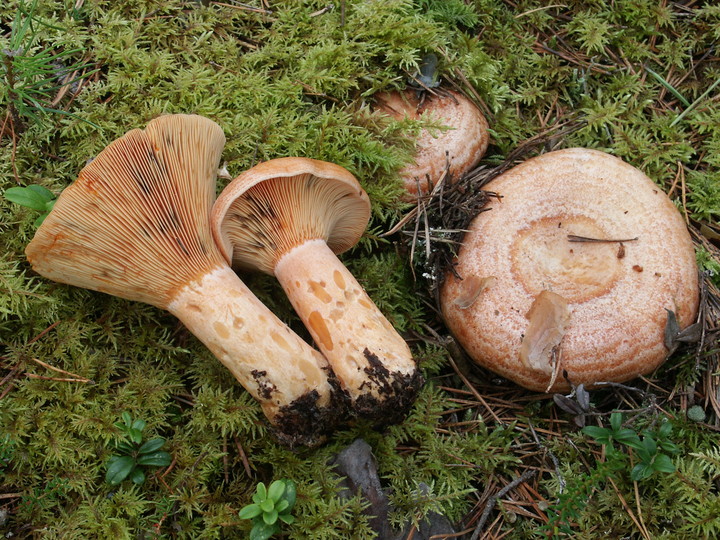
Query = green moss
x=299 y=80
x=671 y=505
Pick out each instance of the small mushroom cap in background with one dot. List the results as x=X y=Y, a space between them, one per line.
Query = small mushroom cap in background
x=456 y=149
x=573 y=270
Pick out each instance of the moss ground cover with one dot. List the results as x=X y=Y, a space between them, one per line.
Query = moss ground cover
x=636 y=78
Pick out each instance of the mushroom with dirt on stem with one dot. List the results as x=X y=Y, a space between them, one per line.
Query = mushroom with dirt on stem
x=289 y=217
x=574 y=275
x=135 y=224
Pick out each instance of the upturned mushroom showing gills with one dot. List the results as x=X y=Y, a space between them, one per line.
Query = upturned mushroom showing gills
x=289 y=217
x=135 y=224
x=457 y=147
x=573 y=274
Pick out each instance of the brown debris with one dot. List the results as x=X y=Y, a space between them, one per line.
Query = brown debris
x=549 y=316
x=440 y=219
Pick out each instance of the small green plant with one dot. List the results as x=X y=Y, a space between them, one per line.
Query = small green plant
x=47 y=496
x=269 y=507
x=31 y=74
x=649 y=451
x=708 y=264
x=7 y=450
x=571 y=502
x=696 y=413
x=614 y=433
x=136 y=455
x=653 y=449
x=35 y=197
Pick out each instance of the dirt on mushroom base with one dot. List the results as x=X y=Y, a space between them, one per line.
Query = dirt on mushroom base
x=303 y=416
x=398 y=390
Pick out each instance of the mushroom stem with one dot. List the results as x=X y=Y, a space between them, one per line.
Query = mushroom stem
x=136 y=224
x=371 y=360
x=271 y=361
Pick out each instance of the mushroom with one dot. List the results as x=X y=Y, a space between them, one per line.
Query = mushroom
x=583 y=257
x=135 y=224
x=289 y=217
x=457 y=149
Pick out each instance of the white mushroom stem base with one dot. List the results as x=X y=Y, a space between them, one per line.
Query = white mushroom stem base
x=371 y=360
x=287 y=376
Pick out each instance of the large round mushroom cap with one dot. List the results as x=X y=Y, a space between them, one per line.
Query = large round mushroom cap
x=282 y=203
x=569 y=277
x=458 y=147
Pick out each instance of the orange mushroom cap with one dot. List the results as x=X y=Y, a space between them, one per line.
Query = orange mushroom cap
x=135 y=211
x=573 y=271
x=281 y=203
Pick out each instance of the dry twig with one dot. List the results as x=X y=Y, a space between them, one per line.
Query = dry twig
x=524 y=477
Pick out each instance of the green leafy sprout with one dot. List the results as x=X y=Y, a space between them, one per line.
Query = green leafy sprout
x=647 y=453
x=35 y=197
x=653 y=449
x=136 y=454
x=270 y=506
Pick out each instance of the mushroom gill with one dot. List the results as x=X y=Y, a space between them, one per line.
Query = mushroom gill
x=136 y=224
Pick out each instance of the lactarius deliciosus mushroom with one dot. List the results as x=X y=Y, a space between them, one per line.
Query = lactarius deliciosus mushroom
x=457 y=147
x=136 y=224
x=289 y=217
x=570 y=276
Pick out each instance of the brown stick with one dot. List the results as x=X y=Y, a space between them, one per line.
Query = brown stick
x=576 y=238
x=524 y=477
x=627 y=508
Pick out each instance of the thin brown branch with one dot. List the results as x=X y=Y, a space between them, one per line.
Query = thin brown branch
x=576 y=238
x=58 y=370
x=524 y=477
x=627 y=508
